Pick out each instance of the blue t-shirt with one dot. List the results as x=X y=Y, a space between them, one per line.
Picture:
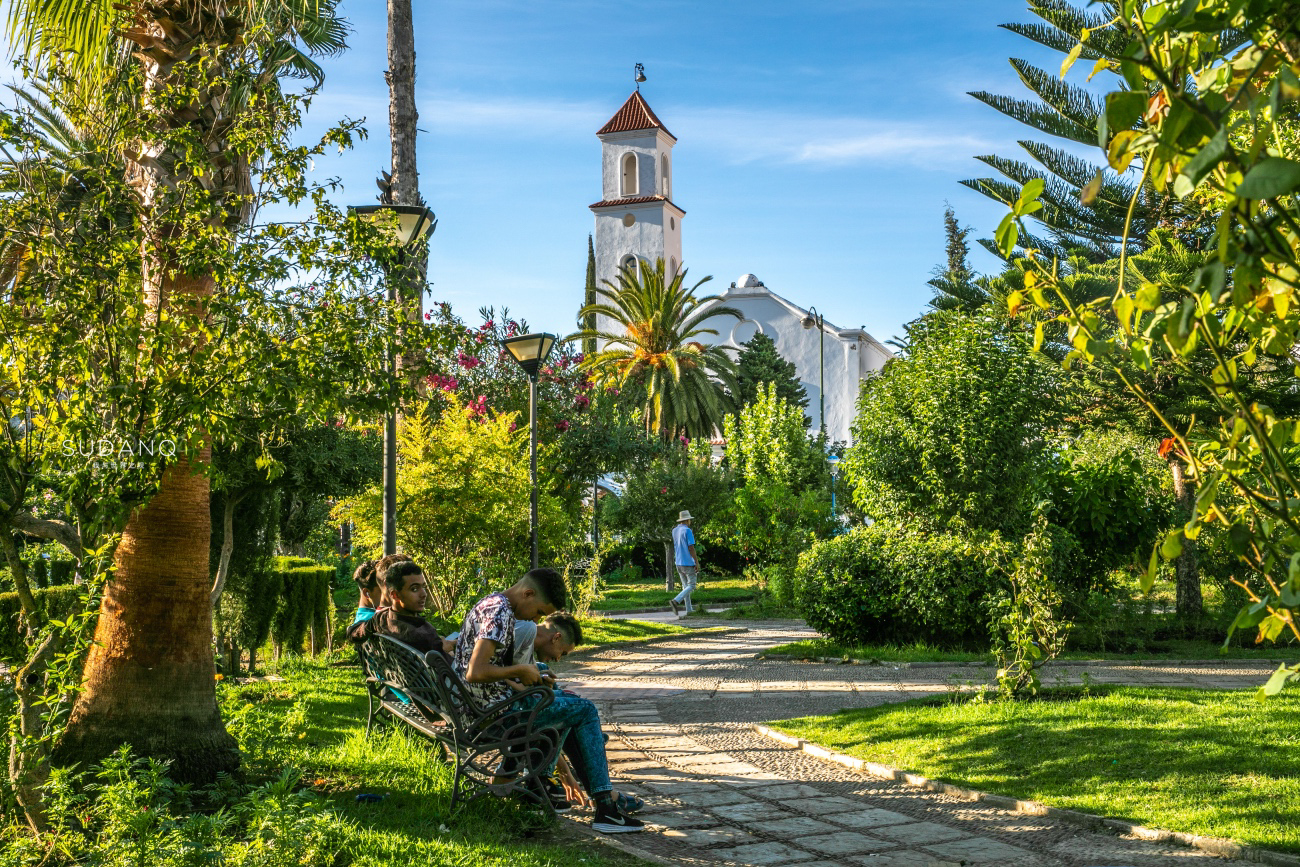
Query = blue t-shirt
x=683 y=538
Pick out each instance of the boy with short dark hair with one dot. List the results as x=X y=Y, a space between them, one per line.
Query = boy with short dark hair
x=484 y=656
x=409 y=594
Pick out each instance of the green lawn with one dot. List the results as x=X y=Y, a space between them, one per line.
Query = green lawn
x=649 y=593
x=599 y=631
x=1201 y=761
x=315 y=722
x=1173 y=649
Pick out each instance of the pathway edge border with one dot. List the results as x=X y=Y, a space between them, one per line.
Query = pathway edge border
x=1212 y=845
x=1067 y=663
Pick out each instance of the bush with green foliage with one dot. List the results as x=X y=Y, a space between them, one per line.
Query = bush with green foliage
x=126 y=812
x=893 y=584
x=58 y=601
x=305 y=605
x=781 y=505
x=953 y=434
x=1111 y=491
x=682 y=478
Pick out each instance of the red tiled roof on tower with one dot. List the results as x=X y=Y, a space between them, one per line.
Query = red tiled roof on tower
x=635 y=114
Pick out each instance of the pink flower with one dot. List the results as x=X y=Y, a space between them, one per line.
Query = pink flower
x=562 y=425
x=663 y=490
x=469 y=362
x=581 y=402
x=684 y=440
x=514 y=426
x=428 y=316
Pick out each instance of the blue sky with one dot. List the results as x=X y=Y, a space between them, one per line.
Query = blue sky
x=817 y=141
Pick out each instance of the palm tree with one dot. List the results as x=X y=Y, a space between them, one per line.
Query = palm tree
x=149 y=677
x=652 y=350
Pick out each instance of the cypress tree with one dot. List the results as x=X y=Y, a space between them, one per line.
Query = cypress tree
x=588 y=323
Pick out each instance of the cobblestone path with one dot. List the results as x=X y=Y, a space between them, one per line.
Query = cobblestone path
x=678 y=716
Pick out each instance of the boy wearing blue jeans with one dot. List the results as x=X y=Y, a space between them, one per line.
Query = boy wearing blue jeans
x=484 y=656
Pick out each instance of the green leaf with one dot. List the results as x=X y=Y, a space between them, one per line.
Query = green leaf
x=1204 y=162
x=1270 y=178
x=1277 y=681
x=1148 y=297
x=1271 y=627
x=1006 y=235
x=1070 y=58
x=1038 y=336
x=1149 y=577
x=1173 y=544
x=1123 y=108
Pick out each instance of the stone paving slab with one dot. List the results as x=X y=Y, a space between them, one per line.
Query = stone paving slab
x=718 y=793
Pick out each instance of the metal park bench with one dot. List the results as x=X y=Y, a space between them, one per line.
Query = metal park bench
x=485 y=743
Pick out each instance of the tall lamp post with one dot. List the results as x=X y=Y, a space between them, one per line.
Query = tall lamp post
x=529 y=351
x=815 y=318
x=409 y=225
x=835 y=471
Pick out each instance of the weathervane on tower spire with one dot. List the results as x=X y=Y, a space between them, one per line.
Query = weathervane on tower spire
x=640 y=76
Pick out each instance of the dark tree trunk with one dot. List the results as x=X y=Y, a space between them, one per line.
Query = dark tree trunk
x=150 y=679
x=1188 y=602
x=669 y=571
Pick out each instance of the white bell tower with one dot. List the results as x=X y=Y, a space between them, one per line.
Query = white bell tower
x=636 y=219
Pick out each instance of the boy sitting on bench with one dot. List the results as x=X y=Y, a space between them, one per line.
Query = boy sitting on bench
x=484 y=658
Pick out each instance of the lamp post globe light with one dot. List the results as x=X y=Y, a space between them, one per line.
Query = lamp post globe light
x=815 y=318
x=529 y=351
x=408 y=225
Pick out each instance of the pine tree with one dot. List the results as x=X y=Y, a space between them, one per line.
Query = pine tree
x=759 y=363
x=1075 y=224
x=588 y=322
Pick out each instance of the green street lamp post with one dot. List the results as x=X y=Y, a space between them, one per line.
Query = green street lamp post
x=409 y=225
x=815 y=318
x=529 y=351
x=835 y=471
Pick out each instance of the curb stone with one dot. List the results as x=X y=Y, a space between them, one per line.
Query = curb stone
x=1056 y=663
x=1212 y=845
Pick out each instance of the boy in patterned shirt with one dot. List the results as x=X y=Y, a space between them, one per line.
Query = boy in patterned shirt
x=484 y=659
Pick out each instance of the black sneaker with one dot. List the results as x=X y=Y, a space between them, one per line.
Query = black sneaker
x=608 y=820
x=555 y=792
x=676 y=609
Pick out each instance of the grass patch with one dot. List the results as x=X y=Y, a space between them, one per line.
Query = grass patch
x=649 y=592
x=315 y=721
x=1172 y=649
x=1208 y=762
x=602 y=630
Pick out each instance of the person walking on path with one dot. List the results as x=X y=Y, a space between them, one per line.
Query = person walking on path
x=688 y=564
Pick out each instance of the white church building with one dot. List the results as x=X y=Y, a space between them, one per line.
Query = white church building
x=637 y=220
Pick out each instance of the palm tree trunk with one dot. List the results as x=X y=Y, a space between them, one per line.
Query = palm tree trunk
x=150 y=679
x=403 y=118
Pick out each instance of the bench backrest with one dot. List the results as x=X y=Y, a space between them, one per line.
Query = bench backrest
x=430 y=682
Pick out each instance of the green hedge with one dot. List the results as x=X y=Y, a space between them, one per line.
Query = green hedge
x=58 y=602
x=305 y=601
x=887 y=584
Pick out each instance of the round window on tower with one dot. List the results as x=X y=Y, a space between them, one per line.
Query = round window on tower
x=629 y=219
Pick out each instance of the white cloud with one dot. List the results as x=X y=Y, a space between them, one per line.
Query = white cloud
x=738 y=135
